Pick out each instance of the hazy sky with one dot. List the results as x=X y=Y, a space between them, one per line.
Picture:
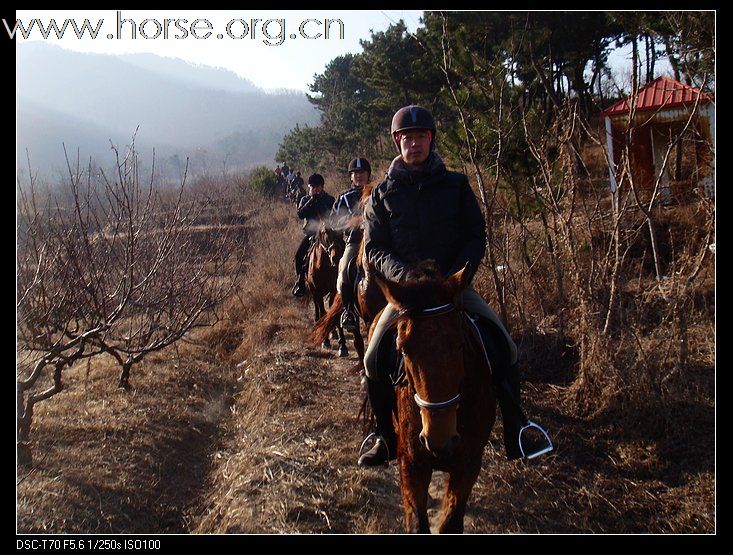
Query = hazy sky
x=286 y=49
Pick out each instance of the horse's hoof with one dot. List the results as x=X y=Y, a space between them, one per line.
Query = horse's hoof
x=326 y=344
x=343 y=352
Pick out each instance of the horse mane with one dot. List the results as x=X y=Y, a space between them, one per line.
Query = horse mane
x=424 y=287
x=366 y=191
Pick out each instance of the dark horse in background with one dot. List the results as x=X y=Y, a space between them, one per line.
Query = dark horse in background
x=369 y=301
x=322 y=272
x=293 y=193
x=446 y=404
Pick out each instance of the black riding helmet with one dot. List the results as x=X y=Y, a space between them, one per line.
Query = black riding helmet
x=316 y=180
x=359 y=163
x=413 y=117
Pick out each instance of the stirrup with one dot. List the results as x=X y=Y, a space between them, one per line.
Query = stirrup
x=367 y=438
x=542 y=450
x=344 y=315
x=378 y=437
x=298 y=289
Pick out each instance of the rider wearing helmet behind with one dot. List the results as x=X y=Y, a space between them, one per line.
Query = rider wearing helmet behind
x=313 y=208
x=423 y=211
x=347 y=215
x=297 y=185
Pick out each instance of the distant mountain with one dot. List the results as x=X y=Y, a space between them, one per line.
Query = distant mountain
x=208 y=114
x=181 y=70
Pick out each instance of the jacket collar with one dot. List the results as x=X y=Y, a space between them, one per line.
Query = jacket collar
x=399 y=171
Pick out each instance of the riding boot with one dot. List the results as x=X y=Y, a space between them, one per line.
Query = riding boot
x=507 y=393
x=506 y=383
x=299 y=287
x=381 y=399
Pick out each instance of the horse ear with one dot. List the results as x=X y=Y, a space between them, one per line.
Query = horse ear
x=459 y=280
x=392 y=290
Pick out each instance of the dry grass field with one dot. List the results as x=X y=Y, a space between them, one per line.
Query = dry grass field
x=248 y=429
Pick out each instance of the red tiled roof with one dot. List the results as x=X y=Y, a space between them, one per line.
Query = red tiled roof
x=664 y=93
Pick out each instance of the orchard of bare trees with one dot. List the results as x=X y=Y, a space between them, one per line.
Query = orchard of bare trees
x=110 y=264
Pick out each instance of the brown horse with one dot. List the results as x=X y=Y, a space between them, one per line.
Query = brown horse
x=369 y=301
x=323 y=260
x=446 y=405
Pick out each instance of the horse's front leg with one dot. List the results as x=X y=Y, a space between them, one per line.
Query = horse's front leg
x=414 y=483
x=359 y=342
x=458 y=489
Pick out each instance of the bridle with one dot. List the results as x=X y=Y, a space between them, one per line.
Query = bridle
x=429 y=313
x=327 y=247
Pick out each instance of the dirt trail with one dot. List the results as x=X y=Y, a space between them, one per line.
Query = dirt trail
x=288 y=463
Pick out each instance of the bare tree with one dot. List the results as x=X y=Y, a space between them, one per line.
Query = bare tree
x=113 y=266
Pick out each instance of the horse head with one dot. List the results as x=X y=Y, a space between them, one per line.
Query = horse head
x=430 y=337
x=332 y=243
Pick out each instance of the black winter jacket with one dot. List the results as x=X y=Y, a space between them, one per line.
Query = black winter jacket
x=347 y=215
x=416 y=216
x=313 y=210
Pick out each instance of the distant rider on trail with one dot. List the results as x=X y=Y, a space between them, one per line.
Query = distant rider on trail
x=313 y=208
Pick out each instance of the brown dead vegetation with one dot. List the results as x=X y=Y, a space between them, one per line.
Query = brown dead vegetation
x=246 y=428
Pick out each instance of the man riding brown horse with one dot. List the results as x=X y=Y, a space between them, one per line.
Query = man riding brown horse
x=423 y=211
x=347 y=216
x=313 y=208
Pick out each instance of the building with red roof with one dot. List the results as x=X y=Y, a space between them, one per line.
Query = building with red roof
x=661 y=113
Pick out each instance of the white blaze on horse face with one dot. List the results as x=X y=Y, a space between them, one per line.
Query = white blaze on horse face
x=436 y=372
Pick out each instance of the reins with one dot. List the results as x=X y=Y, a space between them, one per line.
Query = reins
x=428 y=312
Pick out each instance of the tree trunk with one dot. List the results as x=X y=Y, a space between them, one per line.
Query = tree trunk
x=24 y=416
x=125 y=376
x=653 y=61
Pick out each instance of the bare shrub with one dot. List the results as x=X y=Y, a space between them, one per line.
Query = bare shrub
x=617 y=278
